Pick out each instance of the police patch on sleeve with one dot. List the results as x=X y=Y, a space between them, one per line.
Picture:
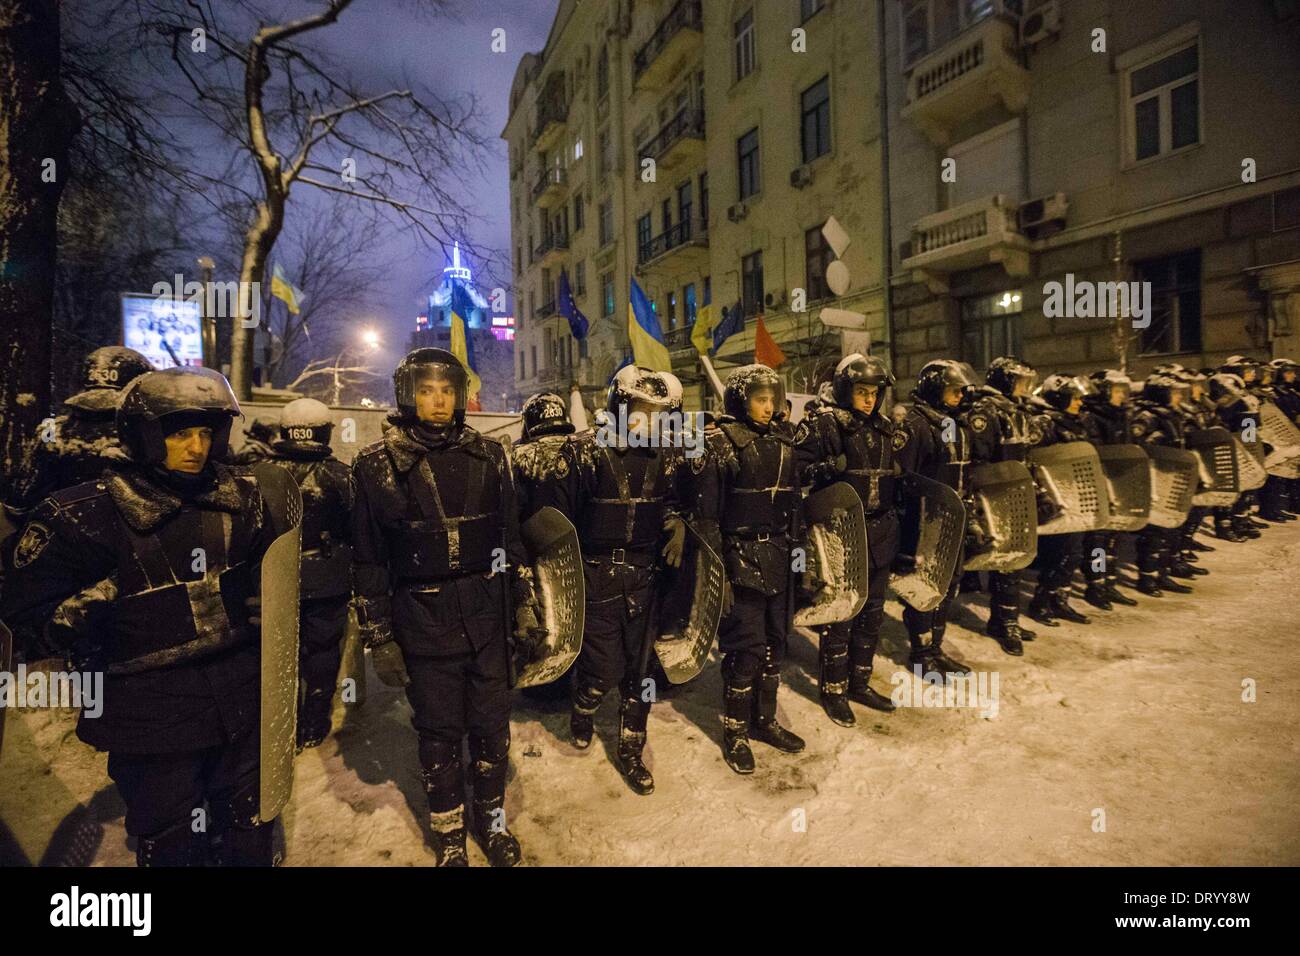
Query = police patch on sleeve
x=31 y=544
x=900 y=439
x=978 y=422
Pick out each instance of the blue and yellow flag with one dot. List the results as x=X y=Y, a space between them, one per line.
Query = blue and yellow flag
x=648 y=348
x=282 y=289
x=702 y=331
x=462 y=346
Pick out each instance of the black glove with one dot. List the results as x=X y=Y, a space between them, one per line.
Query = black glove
x=254 y=605
x=904 y=564
x=389 y=664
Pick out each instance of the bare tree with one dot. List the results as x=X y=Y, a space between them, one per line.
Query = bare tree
x=300 y=119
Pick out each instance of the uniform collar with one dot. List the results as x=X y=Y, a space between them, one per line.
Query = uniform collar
x=406 y=450
x=145 y=503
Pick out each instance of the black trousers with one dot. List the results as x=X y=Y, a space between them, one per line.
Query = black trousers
x=919 y=623
x=863 y=630
x=617 y=615
x=163 y=790
x=1004 y=595
x=322 y=623
x=756 y=628
x=1058 y=556
x=467 y=693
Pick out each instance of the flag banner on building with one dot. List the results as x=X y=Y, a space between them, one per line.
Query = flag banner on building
x=766 y=351
x=706 y=317
x=733 y=321
x=281 y=289
x=648 y=348
x=462 y=346
x=569 y=309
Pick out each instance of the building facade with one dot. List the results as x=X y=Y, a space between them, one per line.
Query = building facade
x=698 y=147
x=1040 y=150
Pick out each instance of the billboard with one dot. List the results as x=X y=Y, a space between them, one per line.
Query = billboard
x=166 y=331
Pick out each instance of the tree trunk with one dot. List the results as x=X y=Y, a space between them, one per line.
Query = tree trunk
x=37 y=125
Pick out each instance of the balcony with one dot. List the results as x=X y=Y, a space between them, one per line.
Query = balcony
x=688 y=239
x=548 y=191
x=551 y=117
x=679 y=339
x=681 y=140
x=978 y=68
x=678 y=37
x=544 y=311
x=968 y=236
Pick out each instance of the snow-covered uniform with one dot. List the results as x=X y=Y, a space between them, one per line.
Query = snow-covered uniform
x=1157 y=423
x=1105 y=424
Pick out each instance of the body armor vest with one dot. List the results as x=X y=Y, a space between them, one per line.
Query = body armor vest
x=433 y=540
x=871 y=468
x=629 y=504
x=326 y=554
x=764 y=492
x=165 y=613
x=954 y=461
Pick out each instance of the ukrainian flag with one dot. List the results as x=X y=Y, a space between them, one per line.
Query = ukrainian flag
x=702 y=331
x=282 y=289
x=462 y=346
x=648 y=348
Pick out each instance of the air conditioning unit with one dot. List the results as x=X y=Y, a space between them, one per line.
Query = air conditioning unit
x=801 y=176
x=738 y=212
x=1044 y=215
x=773 y=301
x=1040 y=24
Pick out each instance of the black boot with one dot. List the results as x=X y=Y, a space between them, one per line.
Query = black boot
x=1008 y=634
x=833 y=682
x=178 y=845
x=1098 y=596
x=1225 y=529
x=764 y=726
x=582 y=719
x=736 y=705
x=1060 y=601
x=940 y=661
x=1201 y=545
x=489 y=762
x=314 y=719
x=970 y=583
x=631 y=742
x=862 y=656
x=1169 y=584
x=444 y=784
x=1041 y=609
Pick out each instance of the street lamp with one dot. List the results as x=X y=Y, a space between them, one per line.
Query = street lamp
x=370 y=339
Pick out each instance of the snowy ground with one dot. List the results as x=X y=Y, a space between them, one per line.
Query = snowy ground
x=1139 y=715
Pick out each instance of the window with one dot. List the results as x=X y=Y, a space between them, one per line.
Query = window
x=747 y=163
x=688 y=297
x=746 y=55
x=672 y=309
x=582 y=349
x=522 y=371
x=815 y=129
x=607 y=222
x=532 y=304
x=684 y=208
x=808 y=7
x=577 y=149
x=602 y=73
x=704 y=199
x=519 y=260
x=666 y=213
x=751 y=283
x=641 y=139
x=579 y=213
x=929 y=24
x=533 y=350
x=580 y=278
x=708 y=289
x=817 y=256
x=643 y=236
x=606 y=151
x=607 y=294
x=1163 y=112
x=990 y=326
x=1175 y=303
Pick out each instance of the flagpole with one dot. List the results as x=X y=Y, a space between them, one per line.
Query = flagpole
x=713 y=375
x=577 y=411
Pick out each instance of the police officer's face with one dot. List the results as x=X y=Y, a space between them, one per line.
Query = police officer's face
x=639 y=416
x=1175 y=397
x=187 y=449
x=1288 y=376
x=864 y=398
x=1021 y=388
x=1119 y=395
x=1248 y=376
x=1198 y=391
x=1076 y=404
x=435 y=401
x=952 y=395
x=762 y=406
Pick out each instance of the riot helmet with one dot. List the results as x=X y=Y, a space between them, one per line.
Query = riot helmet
x=1061 y=391
x=157 y=404
x=749 y=382
x=546 y=413
x=1006 y=372
x=937 y=377
x=859 y=369
x=306 y=424
x=105 y=372
x=430 y=366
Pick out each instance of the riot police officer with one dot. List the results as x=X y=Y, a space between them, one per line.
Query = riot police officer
x=754 y=523
x=538 y=459
x=109 y=568
x=623 y=492
x=83 y=440
x=1236 y=406
x=1287 y=389
x=1158 y=421
x=1058 y=554
x=303 y=449
x=853 y=440
x=1199 y=415
x=437 y=563
x=1107 y=418
x=939 y=448
x=1005 y=428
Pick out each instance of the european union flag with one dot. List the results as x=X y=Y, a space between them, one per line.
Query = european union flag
x=569 y=309
x=733 y=321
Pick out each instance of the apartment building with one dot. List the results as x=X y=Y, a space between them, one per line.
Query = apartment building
x=698 y=147
x=1064 y=141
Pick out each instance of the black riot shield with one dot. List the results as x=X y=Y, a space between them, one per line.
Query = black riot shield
x=936 y=521
x=1220 y=483
x=1004 y=494
x=279 y=672
x=1071 y=472
x=1174 y=476
x=1127 y=470
x=552 y=542
x=1283 y=438
x=837 y=542
x=1250 y=463
x=6 y=667
x=683 y=647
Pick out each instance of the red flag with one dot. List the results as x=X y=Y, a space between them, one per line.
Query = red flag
x=766 y=351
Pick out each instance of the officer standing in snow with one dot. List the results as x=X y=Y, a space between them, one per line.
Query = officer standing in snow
x=437 y=561
x=109 y=568
x=1159 y=422
x=854 y=440
x=1107 y=418
x=84 y=438
x=303 y=449
x=752 y=517
x=538 y=459
x=623 y=494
